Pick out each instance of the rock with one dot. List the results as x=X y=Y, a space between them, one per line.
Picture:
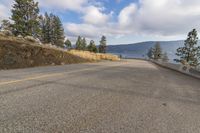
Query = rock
x=38 y=41
x=20 y=36
x=30 y=38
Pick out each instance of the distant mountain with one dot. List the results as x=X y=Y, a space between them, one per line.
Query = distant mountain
x=139 y=50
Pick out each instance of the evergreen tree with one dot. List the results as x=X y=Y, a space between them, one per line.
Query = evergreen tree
x=190 y=52
x=42 y=28
x=68 y=44
x=83 y=44
x=47 y=28
x=52 y=34
x=92 y=47
x=58 y=32
x=150 y=53
x=79 y=43
x=52 y=30
x=25 y=17
x=102 y=46
x=165 y=57
x=6 y=25
x=157 y=51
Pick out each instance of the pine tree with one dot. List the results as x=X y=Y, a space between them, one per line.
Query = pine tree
x=190 y=52
x=6 y=25
x=52 y=30
x=47 y=29
x=25 y=17
x=79 y=43
x=92 y=47
x=68 y=44
x=58 y=32
x=83 y=44
x=42 y=28
x=165 y=57
x=52 y=34
x=102 y=46
x=157 y=51
x=150 y=53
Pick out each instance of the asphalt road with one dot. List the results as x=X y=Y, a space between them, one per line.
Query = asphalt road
x=130 y=96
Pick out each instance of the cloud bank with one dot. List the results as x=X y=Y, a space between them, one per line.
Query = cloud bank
x=164 y=18
x=159 y=18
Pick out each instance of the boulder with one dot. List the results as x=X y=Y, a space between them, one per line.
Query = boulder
x=38 y=41
x=30 y=38
x=20 y=36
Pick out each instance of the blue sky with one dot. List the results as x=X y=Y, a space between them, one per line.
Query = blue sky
x=122 y=21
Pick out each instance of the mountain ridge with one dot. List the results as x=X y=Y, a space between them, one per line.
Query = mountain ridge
x=140 y=49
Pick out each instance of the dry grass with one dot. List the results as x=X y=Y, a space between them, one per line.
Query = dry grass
x=20 y=53
x=94 y=56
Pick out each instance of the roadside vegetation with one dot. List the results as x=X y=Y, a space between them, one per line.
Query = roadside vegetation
x=188 y=55
x=156 y=53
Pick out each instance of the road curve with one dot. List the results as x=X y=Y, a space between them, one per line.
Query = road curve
x=130 y=96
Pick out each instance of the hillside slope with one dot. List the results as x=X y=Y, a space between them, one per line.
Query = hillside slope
x=21 y=53
x=16 y=53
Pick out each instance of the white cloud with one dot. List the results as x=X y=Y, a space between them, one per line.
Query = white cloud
x=168 y=17
x=162 y=19
x=86 y=30
x=127 y=14
x=74 y=5
x=94 y=15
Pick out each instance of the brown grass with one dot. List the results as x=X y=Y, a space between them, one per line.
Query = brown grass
x=20 y=53
x=94 y=56
x=16 y=53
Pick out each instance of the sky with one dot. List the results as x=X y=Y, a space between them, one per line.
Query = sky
x=121 y=21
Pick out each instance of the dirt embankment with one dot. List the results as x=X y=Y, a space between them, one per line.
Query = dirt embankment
x=19 y=53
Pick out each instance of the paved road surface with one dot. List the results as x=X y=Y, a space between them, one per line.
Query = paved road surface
x=109 y=97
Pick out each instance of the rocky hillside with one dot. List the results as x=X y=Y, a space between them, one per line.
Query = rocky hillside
x=22 y=53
